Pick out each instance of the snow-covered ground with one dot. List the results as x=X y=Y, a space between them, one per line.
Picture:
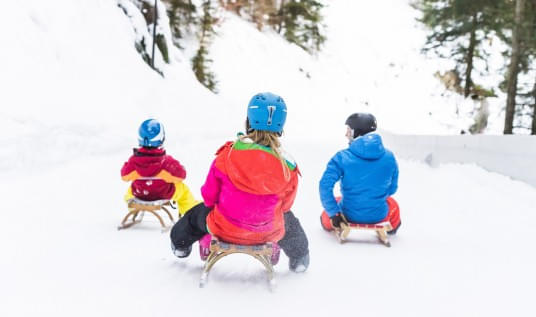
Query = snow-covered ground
x=464 y=249
x=74 y=91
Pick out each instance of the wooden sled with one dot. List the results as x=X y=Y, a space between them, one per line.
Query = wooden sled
x=137 y=209
x=381 y=229
x=219 y=249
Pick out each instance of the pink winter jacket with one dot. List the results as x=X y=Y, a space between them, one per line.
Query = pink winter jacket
x=249 y=191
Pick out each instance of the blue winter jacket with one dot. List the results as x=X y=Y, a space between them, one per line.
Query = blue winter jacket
x=368 y=173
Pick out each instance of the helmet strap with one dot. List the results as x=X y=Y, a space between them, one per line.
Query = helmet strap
x=351 y=135
x=248 y=127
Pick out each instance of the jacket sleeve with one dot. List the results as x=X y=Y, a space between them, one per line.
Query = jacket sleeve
x=172 y=171
x=290 y=193
x=184 y=198
x=332 y=175
x=394 y=179
x=128 y=172
x=211 y=189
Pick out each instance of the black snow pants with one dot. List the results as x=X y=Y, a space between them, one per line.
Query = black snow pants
x=193 y=226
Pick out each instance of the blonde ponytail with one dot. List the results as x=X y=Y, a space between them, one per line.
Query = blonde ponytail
x=271 y=140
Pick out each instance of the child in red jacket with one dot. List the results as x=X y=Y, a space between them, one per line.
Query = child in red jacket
x=154 y=174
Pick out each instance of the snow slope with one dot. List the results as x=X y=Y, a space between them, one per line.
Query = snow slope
x=73 y=85
x=372 y=54
x=75 y=90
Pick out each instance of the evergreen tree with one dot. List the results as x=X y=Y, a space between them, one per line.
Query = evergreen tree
x=300 y=21
x=181 y=18
x=201 y=61
x=460 y=26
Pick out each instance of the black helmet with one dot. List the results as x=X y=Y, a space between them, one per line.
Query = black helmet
x=361 y=123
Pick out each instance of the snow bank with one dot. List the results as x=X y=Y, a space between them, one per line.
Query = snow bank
x=511 y=155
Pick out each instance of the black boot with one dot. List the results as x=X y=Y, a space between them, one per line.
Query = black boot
x=393 y=232
x=180 y=252
x=299 y=265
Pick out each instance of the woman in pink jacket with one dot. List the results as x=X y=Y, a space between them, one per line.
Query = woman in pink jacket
x=249 y=191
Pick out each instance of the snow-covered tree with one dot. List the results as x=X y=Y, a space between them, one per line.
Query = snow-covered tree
x=301 y=23
x=142 y=16
x=457 y=28
x=182 y=18
x=201 y=61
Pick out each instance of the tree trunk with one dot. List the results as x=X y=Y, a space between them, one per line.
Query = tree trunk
x=470 y=56
x=513 y=69
x=204 y=23
x=190 y=18
x=533 y=129
x=281 y=16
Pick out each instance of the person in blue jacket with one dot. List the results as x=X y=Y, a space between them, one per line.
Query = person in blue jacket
x=368 y=173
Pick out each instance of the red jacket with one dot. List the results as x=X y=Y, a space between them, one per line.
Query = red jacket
x=152 y=174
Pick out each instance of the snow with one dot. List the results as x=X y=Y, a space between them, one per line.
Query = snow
x=376 y=64
x=463 y=249
x=74 y=92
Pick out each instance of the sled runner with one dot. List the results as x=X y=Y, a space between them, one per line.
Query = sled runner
x=267 y=254
x=381 y=229
x=137 y=208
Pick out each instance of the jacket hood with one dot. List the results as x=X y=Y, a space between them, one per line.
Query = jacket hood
x=148 y=161
x=368 y=146
x=253 y=168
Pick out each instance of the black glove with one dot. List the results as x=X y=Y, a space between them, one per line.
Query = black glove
x=337 y=220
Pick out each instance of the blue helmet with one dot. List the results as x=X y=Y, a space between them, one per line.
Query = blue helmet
x=151 y=133
x=267 y=112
